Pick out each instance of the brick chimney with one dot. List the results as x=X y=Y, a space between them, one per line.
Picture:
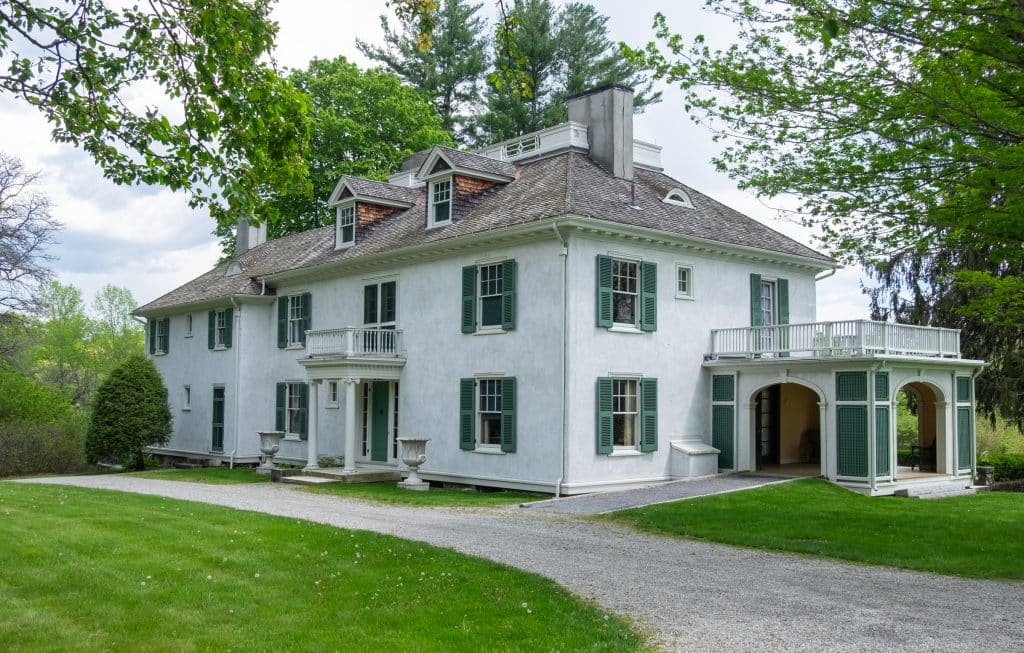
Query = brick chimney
x=608 y=114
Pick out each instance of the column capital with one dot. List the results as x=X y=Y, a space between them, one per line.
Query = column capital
x=349 y=380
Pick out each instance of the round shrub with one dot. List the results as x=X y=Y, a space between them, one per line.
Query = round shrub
x=129 y=413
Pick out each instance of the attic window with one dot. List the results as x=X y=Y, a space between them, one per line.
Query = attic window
x=679 y=198
x=440 y=209
x=346 y=234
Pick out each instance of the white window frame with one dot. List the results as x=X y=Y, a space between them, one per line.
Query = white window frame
x=378 y=283
x=678 y=197
x=332 y=394
x=635 y=324
x=346 y=216
x=220 y=328
x=622 y=409
x=295 y=318
x=480 y=296
x=432 y=201
x=292 y=412
x=163 y=336
x=479 y=412
x=686 y=293
x=771 y=317
x=188 y=325
x=186 y=398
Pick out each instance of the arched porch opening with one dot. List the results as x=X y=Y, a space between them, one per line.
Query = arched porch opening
x=786 y=426
x=920 y=431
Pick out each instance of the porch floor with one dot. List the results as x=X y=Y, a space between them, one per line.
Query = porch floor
x=904 y=473
x=792 y=470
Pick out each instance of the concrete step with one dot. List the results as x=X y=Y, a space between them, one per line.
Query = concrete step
x=310 y=480
x=936 y=490
x=320 y=476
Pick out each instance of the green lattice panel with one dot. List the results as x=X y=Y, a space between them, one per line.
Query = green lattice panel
x=852 y=386
x=722 y=388
x=963 y=389
x=882 y=440
x=964 y=438
x=852 y=440
x=722 y=434
x=881 y=386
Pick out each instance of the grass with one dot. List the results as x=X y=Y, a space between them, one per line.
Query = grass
x=156 y=574
x=977 y=536
x=212 y=475
x=436 y=496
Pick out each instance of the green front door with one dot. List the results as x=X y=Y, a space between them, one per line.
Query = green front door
x=380 y=404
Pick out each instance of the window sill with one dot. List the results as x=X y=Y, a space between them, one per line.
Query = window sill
x=159 y=353
x=625 y=453
x=438 y=225
x=331 y=405
x=490 y=451
x=686 y=297
x=622 y=328
x=296 y=345
x=220 y=348
x=345 y=245
x=291 y=437
x=188 y=335
x=489 y=331
x=186 y=409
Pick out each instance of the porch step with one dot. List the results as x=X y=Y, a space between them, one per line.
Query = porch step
x=936 y=490
x=309 y=480
x=321 y=476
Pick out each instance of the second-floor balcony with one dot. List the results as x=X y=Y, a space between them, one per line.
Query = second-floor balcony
x=847 y=338
x=352 y=342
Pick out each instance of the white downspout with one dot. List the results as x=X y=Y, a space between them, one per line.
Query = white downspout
x=565 y=357
x=236 y=345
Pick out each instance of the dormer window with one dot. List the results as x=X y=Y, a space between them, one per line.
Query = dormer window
x=679 y=198
x=440 y=210
x=346 y=231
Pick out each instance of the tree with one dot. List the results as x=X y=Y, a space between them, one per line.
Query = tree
x=26 y=230
x=61 y=357
x=224 y=126
x=898 y=127
x=364 y=124
x=115 y=335
x=541 y=57
x=130 y=412
x=450 y=72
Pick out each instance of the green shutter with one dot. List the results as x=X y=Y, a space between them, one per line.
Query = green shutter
x=152 y=336
x=279 y=410
x=648 y=296
x=782 y=285
x=467 y=391
x=469 y=299
x=508 y=414
x=604 y=291
x=852 y=440
x=649 y=414
x=851 y=386
x=963 y=389
x=755 y=300
x=211 y=328
x=229 y=315
x=303 y=410
x=722 y=434
x=881 y=386
x=167 y=334
x=964 y=441
x=882 y=440
x=605 y=423
x=722 y=388
x=282 y=322
x=508 y=295
x=306 y=304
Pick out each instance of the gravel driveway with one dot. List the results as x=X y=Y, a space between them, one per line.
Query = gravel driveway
x=693 y=596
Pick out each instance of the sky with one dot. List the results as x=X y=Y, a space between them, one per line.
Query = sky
x=148 y=240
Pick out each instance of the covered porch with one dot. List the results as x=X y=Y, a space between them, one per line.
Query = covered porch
x=821 y=400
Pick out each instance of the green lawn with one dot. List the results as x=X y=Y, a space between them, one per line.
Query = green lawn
x=213 y=475
x=91 y=570
x=436 y=496
x=979 y=536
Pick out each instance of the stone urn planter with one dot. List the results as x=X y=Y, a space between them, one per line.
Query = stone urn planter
x=414 y=454
x=985 y=476
x=270 y=444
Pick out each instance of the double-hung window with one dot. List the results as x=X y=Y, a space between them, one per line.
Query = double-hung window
x=291 y=409
x=346 y=230
x=627 y=415
x=219 y=325
x=627 y=294
x=684 y=281
x=489 y=297
x=488 y=414
x=440 y=204
x=293 y=319
x=159 y=336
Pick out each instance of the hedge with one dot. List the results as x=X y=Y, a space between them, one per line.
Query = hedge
x=1008 y=466
x=30 y=448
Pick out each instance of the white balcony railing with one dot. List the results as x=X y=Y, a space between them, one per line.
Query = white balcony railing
x=355 y=342
x=836 y=339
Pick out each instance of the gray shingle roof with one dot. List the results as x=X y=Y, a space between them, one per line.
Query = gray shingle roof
x=478 y=162
x=380 y=190
x=568 y=183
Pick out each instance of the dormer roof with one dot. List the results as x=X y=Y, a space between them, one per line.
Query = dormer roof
x=372 y=192
x=447 y=160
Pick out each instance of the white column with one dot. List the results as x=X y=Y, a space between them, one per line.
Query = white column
x=350 y=423
x=312 y=452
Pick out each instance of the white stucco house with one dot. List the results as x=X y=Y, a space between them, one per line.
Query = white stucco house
x=556 y=314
